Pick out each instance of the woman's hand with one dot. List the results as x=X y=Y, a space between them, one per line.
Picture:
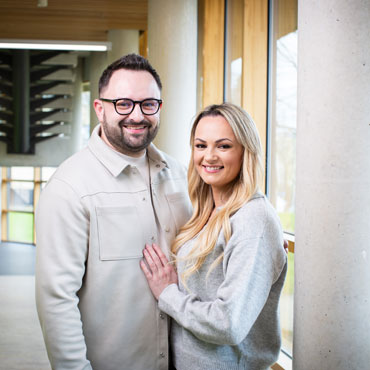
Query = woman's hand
x=157 y=270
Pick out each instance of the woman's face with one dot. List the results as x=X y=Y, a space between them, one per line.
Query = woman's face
x=217 y=153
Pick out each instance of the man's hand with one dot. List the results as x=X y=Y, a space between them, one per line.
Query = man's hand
x=157 y=270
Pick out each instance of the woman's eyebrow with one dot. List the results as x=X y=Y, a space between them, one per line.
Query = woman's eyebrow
x=217 y=141
x=225 y=138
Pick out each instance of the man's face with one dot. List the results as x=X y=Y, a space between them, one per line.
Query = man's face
x=128 y=134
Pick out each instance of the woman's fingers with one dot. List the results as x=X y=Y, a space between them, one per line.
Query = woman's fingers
x=154 y=256
x=146 y=271
x=149 y=260
x=160 y=254
x=157 y=270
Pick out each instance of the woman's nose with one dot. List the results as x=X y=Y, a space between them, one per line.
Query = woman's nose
x=210 y=155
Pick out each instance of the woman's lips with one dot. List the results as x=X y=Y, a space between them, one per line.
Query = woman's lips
x=212 y=169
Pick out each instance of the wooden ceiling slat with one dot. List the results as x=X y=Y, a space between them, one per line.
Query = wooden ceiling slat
x=87 y=20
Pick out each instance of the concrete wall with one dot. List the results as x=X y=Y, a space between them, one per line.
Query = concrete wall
x=332 y=251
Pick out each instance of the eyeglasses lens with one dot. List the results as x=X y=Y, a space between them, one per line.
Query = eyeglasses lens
x=126 y=106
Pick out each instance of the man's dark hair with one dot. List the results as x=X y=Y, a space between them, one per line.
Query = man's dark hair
x=132 y=62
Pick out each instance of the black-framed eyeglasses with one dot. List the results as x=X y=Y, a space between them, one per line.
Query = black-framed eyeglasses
x=125 y=106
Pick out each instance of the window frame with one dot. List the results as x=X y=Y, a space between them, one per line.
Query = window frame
x=6 y=180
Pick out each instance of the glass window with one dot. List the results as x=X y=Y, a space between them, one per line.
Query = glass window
x=20 y=196
x=47 y=172
x=18 y=207
x=282 y=137
x=283 y=110
x=21 y=173
x=234 y=51
x=19 y=192
x=20 y=227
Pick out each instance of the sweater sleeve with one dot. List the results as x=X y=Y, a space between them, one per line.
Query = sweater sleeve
x=249 y=270
x=62 y=242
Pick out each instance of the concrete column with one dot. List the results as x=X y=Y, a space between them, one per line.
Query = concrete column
x=98 y=62
x=172 y=42
x=123 y=42
x=332 y=252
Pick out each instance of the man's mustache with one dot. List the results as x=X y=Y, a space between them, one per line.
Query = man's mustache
x=126 y=122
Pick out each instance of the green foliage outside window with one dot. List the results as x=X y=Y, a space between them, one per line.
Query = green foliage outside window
x=20 y=227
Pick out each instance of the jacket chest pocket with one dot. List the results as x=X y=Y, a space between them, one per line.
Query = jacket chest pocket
x=119 y=233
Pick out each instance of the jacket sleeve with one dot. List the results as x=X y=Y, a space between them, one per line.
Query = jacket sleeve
x=62 y=229
x=249 y=270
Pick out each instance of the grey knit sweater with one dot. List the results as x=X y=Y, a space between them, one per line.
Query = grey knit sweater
x=231 y=321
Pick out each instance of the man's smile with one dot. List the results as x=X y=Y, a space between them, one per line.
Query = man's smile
x=135 y=129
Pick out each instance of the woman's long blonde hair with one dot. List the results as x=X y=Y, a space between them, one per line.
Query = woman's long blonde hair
x=239 y=191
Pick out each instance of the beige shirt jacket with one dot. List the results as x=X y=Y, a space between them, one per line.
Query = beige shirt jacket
x=92 y=222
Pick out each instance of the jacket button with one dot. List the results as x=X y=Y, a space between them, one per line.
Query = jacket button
x=161 y=316
x=161 y=355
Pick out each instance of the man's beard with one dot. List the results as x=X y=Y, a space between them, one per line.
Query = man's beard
x=124 y=142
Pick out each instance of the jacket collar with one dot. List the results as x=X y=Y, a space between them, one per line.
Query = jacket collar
x=114 y=161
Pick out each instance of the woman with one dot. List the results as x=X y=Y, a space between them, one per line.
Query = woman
x=229 y=256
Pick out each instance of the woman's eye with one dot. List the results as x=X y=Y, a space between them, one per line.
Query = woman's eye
x=225 y=146
x=200 y=146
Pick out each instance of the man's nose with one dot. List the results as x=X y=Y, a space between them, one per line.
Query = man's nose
x=136 y=115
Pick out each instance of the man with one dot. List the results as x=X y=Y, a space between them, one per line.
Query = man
x=93 y=220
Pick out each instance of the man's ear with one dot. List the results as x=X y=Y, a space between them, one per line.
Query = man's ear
x=99 y=109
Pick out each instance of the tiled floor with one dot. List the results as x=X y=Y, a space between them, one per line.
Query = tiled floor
x=21 y=342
